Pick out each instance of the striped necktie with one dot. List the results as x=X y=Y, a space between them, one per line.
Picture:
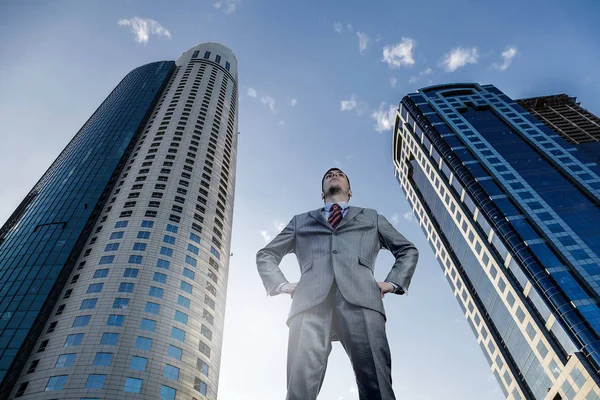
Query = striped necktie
x=335 y=215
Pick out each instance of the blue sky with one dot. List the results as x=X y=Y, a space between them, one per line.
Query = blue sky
x=310 y=98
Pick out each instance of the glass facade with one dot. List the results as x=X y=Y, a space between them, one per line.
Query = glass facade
x=41 y=239
x=509 y=207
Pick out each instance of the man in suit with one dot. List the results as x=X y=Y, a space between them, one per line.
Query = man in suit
x=337 y=295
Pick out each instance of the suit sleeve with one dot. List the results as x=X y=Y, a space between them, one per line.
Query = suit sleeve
x=268 y=258
x=405 y=253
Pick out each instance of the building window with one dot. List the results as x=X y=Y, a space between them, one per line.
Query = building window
x=130 y=273
x=202 y=367
x=133 y=385
x=171 y=372
x=33 y=366
x=95 y=288
x=109 y=339
x=65 y=360
x=155 y=292
x=147 y=224
x=153 y=308
x=227 y=65
x=186 y=287
x=148 y=325
x=188 y=273
x=115 y=320
x=208 y=317
x=121 y=303
x=178 y=334
x=116 y=235
x=126 y=287
x=139 y=247
x=183 y=301
x=56 y=383
x=191 y=261
x=95 y=381
x=106 y=260
x=143 y=235
x=111 y=247
x=164 y=264
x=181 y=317
x=194 y=237
x=172 y=228
x=166 y=392
x=209 y=302
x=43 y=346
x=175 y=352
x=60 y=309
x=204 y=349
x=143 y=343
x=21 y=390
x=166 y=251
x=102 y=359
x=82 y=320
x=160 y=278
x=200 y=386
x=88 y=304
x=207 y=55
x=138 y=363
x=169 y=239
x=215 y=253
x=135 y=259
x=192 y=248
x=218 y=59
x=207 y=333
x=121 y=224
x=101 y=273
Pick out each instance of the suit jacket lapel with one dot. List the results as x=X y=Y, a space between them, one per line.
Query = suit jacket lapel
x=352 y=212
x=318 y=215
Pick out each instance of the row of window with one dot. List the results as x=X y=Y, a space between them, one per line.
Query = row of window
x=131 y=385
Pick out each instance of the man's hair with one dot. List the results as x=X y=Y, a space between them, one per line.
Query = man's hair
x=334 y=169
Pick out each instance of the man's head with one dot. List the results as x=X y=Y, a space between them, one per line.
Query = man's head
x=335 y=182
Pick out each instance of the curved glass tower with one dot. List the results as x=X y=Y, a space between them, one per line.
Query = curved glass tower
x=141 y=310
x=511 y=210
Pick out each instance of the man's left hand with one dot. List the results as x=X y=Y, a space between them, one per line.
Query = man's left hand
x=385 y=287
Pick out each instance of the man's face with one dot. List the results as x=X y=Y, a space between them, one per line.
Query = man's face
x=335 y=182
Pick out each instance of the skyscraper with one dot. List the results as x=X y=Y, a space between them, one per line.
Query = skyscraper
x=512 y=211
x=113 y=270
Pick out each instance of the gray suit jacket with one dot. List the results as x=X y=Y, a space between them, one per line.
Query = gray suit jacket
x=346 y=254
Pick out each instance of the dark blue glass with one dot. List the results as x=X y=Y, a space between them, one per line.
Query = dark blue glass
x=44 y=236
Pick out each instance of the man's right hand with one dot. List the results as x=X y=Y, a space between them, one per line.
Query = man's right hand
x=289 y=288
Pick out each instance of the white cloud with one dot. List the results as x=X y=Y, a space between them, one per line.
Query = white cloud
x=265 y=236
x=507 y=57
x=228 y=6
x=276 y=226
x=409 y=216
x=399 y=54
x=252 y=92
x=338 y=27
x=281 y=123
x=293 y=102
x=350 y=27
x=393 y=81
x=395 y=219
x=143 y=28
x=415 y=78
x=363 y=42
x=269 y=101
x=384 y=117
x=353 y=104
x=459 y=57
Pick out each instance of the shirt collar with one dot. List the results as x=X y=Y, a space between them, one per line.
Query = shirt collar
x=344 y=205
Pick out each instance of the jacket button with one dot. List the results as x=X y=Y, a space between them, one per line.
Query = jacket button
x=335 y=252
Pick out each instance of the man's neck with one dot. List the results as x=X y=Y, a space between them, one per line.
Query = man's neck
x=337 y=198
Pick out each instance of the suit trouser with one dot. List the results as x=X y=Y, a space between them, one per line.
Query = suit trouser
x=362 y=334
